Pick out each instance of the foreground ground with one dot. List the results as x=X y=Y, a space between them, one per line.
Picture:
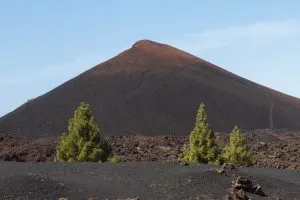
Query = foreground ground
x=130 y=180
x=151 y=171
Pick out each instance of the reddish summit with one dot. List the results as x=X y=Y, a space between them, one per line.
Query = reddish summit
x=147 y=44
x=155 y=89
x=162 y=50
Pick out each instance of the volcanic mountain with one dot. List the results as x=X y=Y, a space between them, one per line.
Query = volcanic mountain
x=155 y=89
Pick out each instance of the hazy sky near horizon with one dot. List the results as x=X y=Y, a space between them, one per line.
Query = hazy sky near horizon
x=45 y=43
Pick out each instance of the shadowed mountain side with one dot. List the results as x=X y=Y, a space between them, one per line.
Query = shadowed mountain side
x=155 y=89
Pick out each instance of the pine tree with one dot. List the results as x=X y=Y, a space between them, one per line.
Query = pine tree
x=236 y=152
x=202 y=146
x=83 y=141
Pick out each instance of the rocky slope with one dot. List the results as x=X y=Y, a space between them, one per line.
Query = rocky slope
x=275 y=149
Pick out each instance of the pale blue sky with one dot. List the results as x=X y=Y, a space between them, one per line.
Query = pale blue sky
x=45 y=43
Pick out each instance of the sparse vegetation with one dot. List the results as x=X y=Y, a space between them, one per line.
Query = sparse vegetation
x=236 y=152
x=202 y=146
x=118 y=159
x=83 y=141
x=218 y=141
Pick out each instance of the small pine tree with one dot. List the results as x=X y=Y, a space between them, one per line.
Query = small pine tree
x=82 y=142
x=202 y=146
x=236 y=152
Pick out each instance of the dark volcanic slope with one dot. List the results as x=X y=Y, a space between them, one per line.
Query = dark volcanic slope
x=155 y=89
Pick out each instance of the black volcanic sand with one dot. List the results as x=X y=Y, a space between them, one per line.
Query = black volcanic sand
x=130 y=180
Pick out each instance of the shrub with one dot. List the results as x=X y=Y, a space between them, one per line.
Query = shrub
x=83 y=141
x=117 y=159
x=236 y=152
x=219 y=141
x=202 y=146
